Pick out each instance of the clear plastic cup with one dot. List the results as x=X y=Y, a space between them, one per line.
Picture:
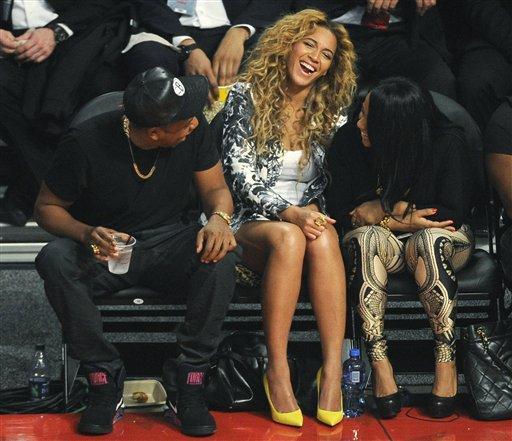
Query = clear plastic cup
x=121 y=263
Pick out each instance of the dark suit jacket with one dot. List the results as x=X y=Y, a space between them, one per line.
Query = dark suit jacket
x=76 y=14
x=492 y=21
x=427 y=27
x=156 y=17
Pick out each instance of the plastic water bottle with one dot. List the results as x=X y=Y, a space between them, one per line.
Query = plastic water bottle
x=353 y=385
x=39 y=379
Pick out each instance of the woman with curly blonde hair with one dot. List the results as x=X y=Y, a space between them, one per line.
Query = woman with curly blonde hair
x=278 y=122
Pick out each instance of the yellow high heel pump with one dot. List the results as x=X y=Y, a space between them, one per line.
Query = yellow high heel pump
x=329 y=417
x=293 y=418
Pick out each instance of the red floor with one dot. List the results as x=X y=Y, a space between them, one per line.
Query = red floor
x=408 y=426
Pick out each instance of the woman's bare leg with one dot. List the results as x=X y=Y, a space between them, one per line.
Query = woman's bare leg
x=277 y=249
x=327 y=291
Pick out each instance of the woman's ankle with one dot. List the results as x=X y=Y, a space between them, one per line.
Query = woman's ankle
x=445 y=381
x=383 y=378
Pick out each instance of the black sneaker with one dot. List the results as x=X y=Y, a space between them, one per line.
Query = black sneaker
x=188 y=409
x=105 y=400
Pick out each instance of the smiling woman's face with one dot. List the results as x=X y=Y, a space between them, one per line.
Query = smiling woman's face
x=310 y=58
x=362 y=122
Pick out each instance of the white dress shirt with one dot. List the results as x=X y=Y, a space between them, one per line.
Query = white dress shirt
x=34 y=14
x=207 y=14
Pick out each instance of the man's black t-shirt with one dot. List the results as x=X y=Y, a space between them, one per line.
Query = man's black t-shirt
x=93 y=169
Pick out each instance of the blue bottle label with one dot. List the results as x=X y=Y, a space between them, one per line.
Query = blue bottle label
x=39 y=388
x=355 y=377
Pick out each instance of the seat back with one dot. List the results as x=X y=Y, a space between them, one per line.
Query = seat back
x=105 y=103
x=461 y=118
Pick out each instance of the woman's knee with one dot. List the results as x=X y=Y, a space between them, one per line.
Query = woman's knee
x=365 y=237
x=287 y=236
x=327 y=243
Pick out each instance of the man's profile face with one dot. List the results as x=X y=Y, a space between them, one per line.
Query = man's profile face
x=176 y=132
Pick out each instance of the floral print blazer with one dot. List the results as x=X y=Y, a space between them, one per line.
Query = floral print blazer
x=251 y=176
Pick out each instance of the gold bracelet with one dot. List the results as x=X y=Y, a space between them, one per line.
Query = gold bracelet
x=224 y=216
x=384 y=222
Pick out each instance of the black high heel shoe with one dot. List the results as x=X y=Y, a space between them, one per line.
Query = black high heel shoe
x=388 y=406
x=440 y=407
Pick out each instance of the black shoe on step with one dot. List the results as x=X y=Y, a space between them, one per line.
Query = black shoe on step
x=188 y=409
x=105 y=400
x=11 y=214
x=440 y=407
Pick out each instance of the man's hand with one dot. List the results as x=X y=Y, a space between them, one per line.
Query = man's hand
x=305 y=218
x=228 y=56
x=215 y=240
x=37 y=45
x=199 y=64
x=8 y=43
x=423 y=6
x=376 y=6
x=368 y=213
x=102 y=239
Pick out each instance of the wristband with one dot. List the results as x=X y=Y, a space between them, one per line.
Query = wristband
x=384 y=222
x=224 y=216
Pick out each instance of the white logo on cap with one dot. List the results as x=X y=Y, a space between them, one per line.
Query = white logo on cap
x=179 y=88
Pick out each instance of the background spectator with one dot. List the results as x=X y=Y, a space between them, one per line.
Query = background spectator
x=485 y=64
x=215 y=33
x=498 y=146
x=30 y=33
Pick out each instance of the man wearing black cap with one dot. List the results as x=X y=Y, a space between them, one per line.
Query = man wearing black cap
x=127 y=173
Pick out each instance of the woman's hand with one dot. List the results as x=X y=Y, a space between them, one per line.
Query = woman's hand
x=417 y=220
x=368 y=213
x=101 y=242
x=311 y=222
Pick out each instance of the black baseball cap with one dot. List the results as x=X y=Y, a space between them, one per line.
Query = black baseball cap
x=156 y=97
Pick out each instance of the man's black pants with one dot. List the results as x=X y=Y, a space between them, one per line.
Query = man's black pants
x=163 y=259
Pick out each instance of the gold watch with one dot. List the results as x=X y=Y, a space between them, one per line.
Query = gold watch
x=224 y=216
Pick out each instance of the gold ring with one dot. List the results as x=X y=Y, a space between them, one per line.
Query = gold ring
x=95 y=249
x=320 y=221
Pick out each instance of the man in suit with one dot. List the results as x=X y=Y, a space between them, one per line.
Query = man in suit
x=29 y=33
x=213 y=35
x=485 y=65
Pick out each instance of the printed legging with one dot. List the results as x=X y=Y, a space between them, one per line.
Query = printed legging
x=432 y=255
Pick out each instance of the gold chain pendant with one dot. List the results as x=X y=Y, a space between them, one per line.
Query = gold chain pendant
x=141 y=175
x=126 y=129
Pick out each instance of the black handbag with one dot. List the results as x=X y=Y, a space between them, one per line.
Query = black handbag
x=488 y=368
x=235 y=376
x=235 y=379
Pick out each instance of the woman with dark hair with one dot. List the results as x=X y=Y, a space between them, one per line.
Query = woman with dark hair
x=401 y=187
x=278 y=121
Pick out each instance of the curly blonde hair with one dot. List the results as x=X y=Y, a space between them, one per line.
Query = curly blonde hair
x=266 y=71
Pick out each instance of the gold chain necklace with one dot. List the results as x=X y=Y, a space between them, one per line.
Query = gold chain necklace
x=126 y=130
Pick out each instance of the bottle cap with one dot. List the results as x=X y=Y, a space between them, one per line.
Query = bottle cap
x=355 y=352
x=39 y=347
